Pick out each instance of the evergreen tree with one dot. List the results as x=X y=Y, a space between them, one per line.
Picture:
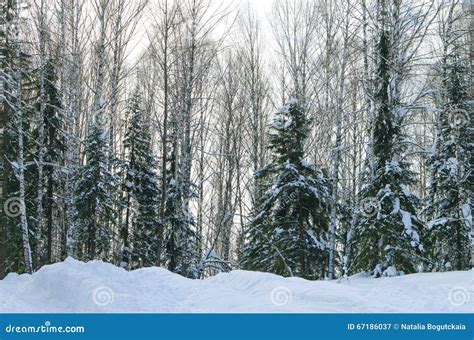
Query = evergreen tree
x=140 y=230
x=288 y=236
x=180 y=237
x=16 y=118
x=54 y=145
x=54 y=156
x=387 y=233
x=94 y=195
x=451 y=193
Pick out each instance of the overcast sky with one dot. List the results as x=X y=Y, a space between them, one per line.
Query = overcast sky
x=261 y=7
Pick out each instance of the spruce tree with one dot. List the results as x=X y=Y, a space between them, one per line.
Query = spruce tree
x=140 y=230
x=180 y=239
x=55 y=149
x=94 y=195
x=288 y=235
x=54 y=145
x=15 y=138
x=387 y=233
x=451 y=194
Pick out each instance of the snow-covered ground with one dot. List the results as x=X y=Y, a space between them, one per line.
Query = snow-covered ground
x=74 y=286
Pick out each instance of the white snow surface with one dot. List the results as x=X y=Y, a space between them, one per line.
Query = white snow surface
x=97 y=287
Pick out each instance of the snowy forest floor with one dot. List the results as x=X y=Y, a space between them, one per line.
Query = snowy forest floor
x=74 y=286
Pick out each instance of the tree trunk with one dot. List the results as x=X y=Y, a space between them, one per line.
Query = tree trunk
x=337 y=151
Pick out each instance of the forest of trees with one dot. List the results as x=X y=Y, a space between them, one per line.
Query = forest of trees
x=317 y=139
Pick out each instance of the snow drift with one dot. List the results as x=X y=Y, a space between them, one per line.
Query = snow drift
x=74 y=286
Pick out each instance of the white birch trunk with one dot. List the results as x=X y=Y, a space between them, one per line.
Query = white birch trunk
x=337 y=150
